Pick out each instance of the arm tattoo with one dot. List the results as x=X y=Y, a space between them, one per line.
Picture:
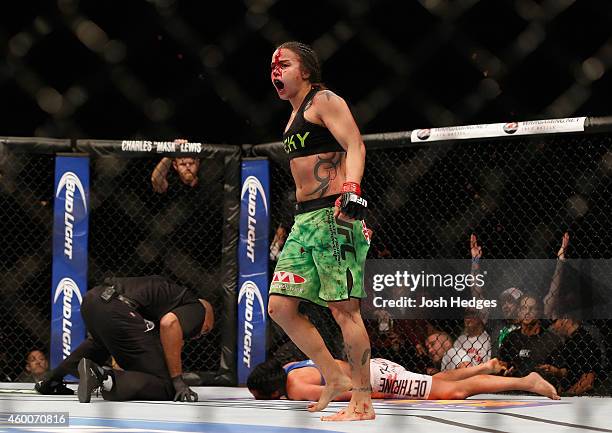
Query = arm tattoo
x=325 y=170
x=328 y=94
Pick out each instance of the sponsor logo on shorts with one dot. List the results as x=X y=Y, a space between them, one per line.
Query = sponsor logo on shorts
x=288 y=277
x=345 y=229
x=288 y=281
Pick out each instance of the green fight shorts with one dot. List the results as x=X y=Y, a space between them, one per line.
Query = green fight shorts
x=323 y=259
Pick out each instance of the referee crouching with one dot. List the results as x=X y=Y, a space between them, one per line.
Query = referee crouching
x=142 y=322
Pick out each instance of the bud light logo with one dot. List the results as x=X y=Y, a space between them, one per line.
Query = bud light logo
x=69 y=289
x=71 y=183
x=69 y=273
x=254 y=187
x=250 y=291
x=253 y=265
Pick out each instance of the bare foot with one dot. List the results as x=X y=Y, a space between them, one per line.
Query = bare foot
x=352 y=413
x=541 y=386
x=330 y=391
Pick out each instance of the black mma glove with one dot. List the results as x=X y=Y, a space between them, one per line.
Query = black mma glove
x=350 y=201
x=51 y=385
x=183 y=392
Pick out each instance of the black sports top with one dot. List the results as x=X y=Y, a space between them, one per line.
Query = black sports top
x=307 y=138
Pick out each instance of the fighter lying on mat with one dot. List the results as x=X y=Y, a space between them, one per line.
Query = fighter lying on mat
x=303 y=381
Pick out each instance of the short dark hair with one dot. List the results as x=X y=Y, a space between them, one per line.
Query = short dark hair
x=267 y=378
x=309 y=60
x=36 y=349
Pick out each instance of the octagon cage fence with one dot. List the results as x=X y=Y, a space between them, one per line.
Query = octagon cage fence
x=518 y=194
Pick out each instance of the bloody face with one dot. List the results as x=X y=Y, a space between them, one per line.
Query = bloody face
x=286 y=73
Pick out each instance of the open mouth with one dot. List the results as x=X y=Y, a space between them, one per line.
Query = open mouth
x=279 y=84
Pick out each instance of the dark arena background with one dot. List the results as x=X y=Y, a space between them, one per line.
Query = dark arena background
x=104 y=78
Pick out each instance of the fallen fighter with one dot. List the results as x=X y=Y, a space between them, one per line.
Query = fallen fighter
x=303 y=381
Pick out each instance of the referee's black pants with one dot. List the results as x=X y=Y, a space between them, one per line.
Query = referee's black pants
x=119 y=330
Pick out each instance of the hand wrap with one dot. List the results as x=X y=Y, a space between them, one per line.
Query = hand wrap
x=350 y=201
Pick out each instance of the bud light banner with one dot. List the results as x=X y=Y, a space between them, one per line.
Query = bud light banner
x=69 y=278
x=253 y=265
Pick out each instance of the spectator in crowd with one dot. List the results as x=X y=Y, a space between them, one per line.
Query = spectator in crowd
x=500 y=328
x=437 y=344
x=525 y=348
x=278 y=242
x=472 y=347
x=476 y=253
x=574 y=363
x=36 y=366
x=398 y=340
x=552 y=298
x=186 y=168
x=508 y=302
